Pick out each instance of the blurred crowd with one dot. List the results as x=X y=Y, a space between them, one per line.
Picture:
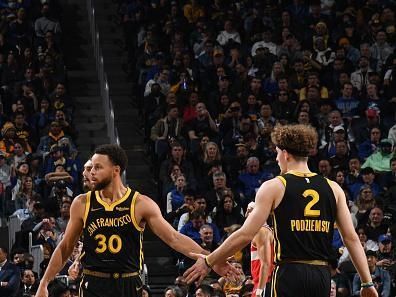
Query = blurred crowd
x=213 y=78
x=40 y=170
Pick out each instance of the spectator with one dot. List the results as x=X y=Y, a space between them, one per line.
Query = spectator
x=251 y=180
x=369 y=146
x=227 y=213
x=191 y=229
x=381 y=277
x=46 y=23
x=380 y=160
x=54 y=135
x=10 y=275
x=376 y=224
x=368 y=178
x=29 y=284
x=229 y=35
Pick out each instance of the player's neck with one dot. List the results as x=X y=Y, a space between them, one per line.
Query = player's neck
x=297 y=166
x=114 y=191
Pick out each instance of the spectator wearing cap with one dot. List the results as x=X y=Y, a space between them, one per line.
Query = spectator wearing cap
x=8 y=132
x=359 y=78
x=381 y=277
x=335 y=120
x=338 y=134
x=56 y=158
x=386 y=253
x=351 y=53
x=367 y=179
x=380 y=159
x=361 y=127
x=369 y=146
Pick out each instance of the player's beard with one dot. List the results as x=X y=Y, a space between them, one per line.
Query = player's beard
x=102 y=185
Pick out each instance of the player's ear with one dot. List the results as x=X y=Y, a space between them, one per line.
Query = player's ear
x=117 y=170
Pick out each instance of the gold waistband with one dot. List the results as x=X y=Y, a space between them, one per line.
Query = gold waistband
x=309 y=262
x=114 y=275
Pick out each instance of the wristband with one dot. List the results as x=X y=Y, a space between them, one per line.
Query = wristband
x=367 y=285
x=207 y=262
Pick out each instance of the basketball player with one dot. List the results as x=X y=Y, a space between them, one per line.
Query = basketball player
x=261 y=257
x=87 y=176
x=112 y=219
x=304 y=206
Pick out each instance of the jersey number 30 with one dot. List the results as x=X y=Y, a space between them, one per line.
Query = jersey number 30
x=113 y=244
x=308 y=211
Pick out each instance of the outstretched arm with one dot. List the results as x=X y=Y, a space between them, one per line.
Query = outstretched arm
x=351 y=240
x=66 y=246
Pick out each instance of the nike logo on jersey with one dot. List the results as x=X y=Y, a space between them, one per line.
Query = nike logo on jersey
x=95 y=209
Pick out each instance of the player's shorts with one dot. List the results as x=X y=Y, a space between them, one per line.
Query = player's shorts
x=302 y=280
x=117 y=285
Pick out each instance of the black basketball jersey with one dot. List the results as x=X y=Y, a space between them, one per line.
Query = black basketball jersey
x=113 y=241
x=304 y=219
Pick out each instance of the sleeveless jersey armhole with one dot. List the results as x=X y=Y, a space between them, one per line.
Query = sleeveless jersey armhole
x=133 y=203
x=87 y=206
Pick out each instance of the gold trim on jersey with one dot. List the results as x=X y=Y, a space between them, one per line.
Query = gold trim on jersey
x=301 y=174
x=277 y=246
x=141 y=255
x=133 y=212
x=273 y=283
x=110 y=207
x=282 y=179
x=87 y=206
x=328 y=181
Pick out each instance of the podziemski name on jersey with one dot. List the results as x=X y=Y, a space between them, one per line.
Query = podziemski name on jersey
x=310 y=225
x=108 y=222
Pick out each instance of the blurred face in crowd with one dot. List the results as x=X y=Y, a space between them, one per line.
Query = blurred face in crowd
x=177 y=153
x=206 y=233
x=18 y=258
x=340 y=179
x=393 y=166
x=341 y=148
x=219 y=182
x=180 y=182
x=266 y=110
x=255 y=84
x=87 y=175
x=385 y=247
x=303 y=118
x=253 y=166
x=200 y=204
x=362 y=235
x=324 y=167
x=198 y=222
x=227 y=204
x=354 y=165
x=366 y=194
x=335 y=118
x=372 y=261
x=381 y=37
x=368 y=178
x=65 y=210
x=28 y=277
x=376 y=216
x=347 y=91
x=375 y=135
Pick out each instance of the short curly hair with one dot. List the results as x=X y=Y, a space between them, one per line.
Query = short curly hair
x=297 y=140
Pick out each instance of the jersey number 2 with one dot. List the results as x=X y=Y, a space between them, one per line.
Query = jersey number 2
x=308 y=211
x=114 y=244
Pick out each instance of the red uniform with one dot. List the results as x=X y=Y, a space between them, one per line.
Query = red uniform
x=255 y=264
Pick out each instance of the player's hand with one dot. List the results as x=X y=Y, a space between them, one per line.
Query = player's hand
x=42 y=291
x=368 y=292
x=74 y=270
x=198 y=271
